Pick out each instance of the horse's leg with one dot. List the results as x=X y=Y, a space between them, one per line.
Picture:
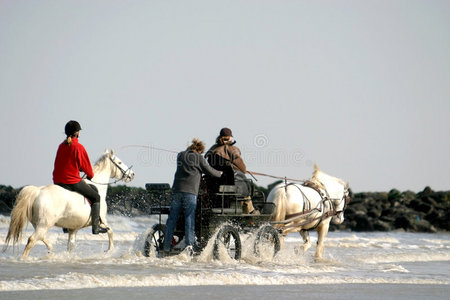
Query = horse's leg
x=38 y=235
x=110 y=237
x=322 y=231
x=71 y=240
x=282 y=241
x=30 y=244
x=306 y=240
x=49 y=246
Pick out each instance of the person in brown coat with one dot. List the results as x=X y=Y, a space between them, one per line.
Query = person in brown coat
x=226 y=157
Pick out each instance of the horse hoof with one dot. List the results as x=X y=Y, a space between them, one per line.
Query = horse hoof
x=318 y=259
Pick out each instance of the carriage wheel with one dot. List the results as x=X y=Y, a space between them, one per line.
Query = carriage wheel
x=228 y=238
x=267 y=239
x=154 y=239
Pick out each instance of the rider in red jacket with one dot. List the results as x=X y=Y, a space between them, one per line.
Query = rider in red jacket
x=72 y=158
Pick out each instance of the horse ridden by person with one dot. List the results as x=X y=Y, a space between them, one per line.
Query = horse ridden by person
x=308 y=206
x=63 y=204
x=52 y=205
x=71 y=158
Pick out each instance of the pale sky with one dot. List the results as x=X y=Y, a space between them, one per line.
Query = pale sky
x=359 y=87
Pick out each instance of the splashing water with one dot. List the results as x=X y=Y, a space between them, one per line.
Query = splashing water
x=357 y=258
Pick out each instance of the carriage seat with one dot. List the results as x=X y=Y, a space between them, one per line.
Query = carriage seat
x=157 y=187
x=228 y=200
x=158 y=197
x=228 y=190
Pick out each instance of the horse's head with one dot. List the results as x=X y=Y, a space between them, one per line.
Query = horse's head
x=341 y=205
x=119 y=170
x=337 y=190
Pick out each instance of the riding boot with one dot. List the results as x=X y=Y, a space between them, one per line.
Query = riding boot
x=247 y=207
x=95 y=215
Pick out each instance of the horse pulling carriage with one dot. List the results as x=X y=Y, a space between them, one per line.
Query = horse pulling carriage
x=289 y=207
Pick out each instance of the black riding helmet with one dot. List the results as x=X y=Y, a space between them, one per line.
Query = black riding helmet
x=72 y=127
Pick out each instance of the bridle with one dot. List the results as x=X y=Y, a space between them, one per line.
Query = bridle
x=124 y=173
x=345 y=198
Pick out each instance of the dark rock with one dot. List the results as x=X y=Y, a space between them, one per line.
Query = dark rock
x=434 y=215
x=363 y=223
x=425 y=208
x=396 y=203
x=415 y=203
x=427 y=191
x=426 y=211
x=402 y=222
x=7 y=198
x=4 y=209
x=444 y=222
x=388 y=219
x=379 y=225
x=423 y=226
x=374 y=213
x=394 y=195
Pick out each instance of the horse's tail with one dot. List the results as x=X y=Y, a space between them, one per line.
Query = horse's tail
x=22 y=210
x=279 y=199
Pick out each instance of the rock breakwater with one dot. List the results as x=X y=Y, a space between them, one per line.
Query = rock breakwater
x=426 y=211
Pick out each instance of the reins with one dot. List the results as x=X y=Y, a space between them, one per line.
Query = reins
x=249 y=172
x=275 y=177
x=149 y=147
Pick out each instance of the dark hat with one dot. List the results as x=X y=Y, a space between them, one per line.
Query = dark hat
x=226 y=132
x=72 y=127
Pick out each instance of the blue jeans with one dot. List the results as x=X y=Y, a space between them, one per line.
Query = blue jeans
x=178 y=202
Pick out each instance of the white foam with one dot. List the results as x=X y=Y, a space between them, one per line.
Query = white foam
x=401 y=258
x=405 y=257
x=75 y=280
x=392 y=268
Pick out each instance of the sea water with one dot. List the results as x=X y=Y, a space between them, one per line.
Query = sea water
x=394 y=265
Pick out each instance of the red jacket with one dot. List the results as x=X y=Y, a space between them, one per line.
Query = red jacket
x=69 y=161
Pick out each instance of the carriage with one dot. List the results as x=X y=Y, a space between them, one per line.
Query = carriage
x=289 y=207
x=219 y=215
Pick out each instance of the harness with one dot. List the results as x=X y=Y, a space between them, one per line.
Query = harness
x=326 y=206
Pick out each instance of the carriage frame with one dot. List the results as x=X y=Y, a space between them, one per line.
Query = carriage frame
x=219 y=215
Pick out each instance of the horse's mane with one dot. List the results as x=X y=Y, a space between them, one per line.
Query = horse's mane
x=318 y=177
x=100 y=164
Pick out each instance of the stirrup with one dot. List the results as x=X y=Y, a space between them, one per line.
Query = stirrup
x=100 y=229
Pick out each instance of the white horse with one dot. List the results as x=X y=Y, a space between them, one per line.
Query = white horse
x=52 y=205
x=310 y=206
